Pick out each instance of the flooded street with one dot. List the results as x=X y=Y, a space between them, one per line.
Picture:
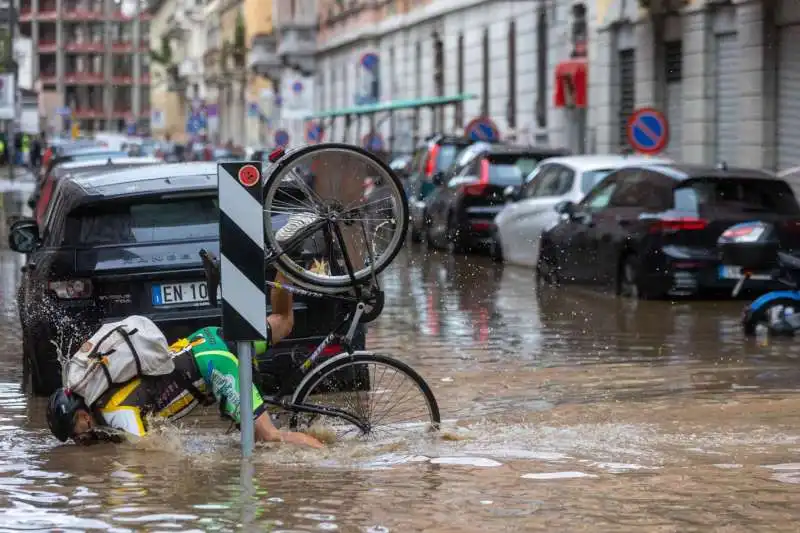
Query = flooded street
x=564 y=411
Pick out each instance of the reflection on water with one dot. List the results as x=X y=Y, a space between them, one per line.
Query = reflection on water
x=564 y=410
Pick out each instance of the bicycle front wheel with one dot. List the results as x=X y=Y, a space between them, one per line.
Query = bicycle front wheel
x=335 y=216
x=386 y=396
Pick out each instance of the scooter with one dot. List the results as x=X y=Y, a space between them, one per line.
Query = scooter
x=753 y=246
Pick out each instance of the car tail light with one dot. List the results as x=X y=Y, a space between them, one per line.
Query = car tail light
x=430 y=165
x=792 y=225
x=671 y=225
x=481 y=225
x=71 y=289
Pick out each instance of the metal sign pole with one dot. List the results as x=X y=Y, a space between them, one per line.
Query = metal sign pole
x=243 y=280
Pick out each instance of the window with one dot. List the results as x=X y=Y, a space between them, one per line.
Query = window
x=511 y=114
x=555 y=180
x=504 y=172
x=460 y=73
x=485 y=95
x=469 y=174
x=541 y=67
x=641 y=190
x=154 y=221
x=446 y=156
x=590 y=178
x=598 y=198
x=418 y=70
x=738 y=196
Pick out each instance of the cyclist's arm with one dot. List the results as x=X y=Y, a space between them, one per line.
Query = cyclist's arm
x=127 y=419
x=281 y=320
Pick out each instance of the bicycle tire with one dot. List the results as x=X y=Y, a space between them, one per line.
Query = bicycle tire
x=276 y=172
x=752 y=318
x=341 y=361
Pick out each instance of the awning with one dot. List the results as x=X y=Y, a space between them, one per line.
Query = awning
x=571 y=83
x=394 y=105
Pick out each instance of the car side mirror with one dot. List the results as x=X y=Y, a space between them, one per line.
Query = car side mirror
x=565 y=207
x=511 y=194
x=438 y=178
x=23 y=236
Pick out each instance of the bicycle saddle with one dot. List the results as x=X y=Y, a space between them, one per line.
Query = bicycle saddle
x=213 y=275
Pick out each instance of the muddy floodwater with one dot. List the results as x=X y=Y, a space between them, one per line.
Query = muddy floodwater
x=565 y=411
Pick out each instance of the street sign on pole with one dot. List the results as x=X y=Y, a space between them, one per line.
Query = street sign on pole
x=282 y=138
x=648 y=131
x=243 y=281
x=482 y=129
x=314 y=132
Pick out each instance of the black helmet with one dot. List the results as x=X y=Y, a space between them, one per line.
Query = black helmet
x=61 y=410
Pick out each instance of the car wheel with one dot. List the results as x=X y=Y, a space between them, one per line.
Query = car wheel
x=43 y=366
x=453 y=237
x=546 y=269
x=629 y=283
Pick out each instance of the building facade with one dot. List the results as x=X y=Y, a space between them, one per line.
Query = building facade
x=505 y=53
x=726 y=75
x=91 y=58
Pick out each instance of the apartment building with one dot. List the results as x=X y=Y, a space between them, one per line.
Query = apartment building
x=509 y=54
x=91 y=58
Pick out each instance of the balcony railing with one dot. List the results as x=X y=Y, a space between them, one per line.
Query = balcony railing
x=25 y=14
x=121 y=79
x=82 y=14
x=122 y=46
x=145 y=79
x=47 y=46
x=46 y=13
x=89 y=78
x=89 y=112
x=48 y=78
x=86 y=46
x=118 y=15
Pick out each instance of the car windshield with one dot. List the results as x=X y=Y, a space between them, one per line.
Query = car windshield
x=736 y=196
x=590 y=178
x=146 y=221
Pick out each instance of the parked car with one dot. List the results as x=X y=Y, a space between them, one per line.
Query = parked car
x=41 y=200
x=651 y=231
x=462 y=209
x=127 y=242
x=529 y=210
x=401 y=165
x=68 y=154
x=433 y=157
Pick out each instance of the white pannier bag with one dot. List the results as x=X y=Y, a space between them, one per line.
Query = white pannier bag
x=118 y=352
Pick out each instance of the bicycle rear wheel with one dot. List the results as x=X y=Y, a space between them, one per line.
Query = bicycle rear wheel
x=386 y=395
x=352 y=207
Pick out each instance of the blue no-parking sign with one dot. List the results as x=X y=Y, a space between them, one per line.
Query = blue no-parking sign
x=482 y=129
x=281 y=138
x=648 y=131
x=373 y=142
x=314 y=132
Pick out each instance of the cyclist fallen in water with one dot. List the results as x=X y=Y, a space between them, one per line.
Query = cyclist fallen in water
x=168 y=381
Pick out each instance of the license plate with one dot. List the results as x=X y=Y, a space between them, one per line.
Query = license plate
x=735 y=272
x=180 y=293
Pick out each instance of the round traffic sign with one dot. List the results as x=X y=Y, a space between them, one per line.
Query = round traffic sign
x=314 y=132
x=648 y=131
x=282 y=138
x=297 y=87
x=373 y=142
x=370 y=61
x=248 y=175
x=482 y=129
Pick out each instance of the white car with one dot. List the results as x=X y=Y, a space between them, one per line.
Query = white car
x=521 y=223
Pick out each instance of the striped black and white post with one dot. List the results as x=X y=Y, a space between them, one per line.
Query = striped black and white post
x=243 y=283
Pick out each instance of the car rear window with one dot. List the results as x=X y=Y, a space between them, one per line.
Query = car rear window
x=507 y=170
x=736 y=196
x=146 y=221
x=447 y=154
x=590 y=178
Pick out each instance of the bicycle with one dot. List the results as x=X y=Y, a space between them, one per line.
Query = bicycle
x=318 y=395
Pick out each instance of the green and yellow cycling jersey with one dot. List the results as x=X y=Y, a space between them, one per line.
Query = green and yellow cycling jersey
x=206 y=370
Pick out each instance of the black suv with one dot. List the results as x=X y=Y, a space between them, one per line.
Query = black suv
x=127 y=242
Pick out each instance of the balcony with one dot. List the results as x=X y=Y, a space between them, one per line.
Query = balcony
x=122 y=79
x=122 y=47
x=297 y=46
x=48 y=78
x=263 y=57
x=25 y=14
x=46 y=13
x=86 y=46
x=119 y=16
x=47 y=47
x=89 y=112
x=84 y=78
x=82 y=13
x=122 y=112
x=144 y=79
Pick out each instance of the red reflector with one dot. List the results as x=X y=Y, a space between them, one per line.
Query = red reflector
x=678 y=224
x=475 y=190
x=481 y=225
x=328 y=351
x=276 y=154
